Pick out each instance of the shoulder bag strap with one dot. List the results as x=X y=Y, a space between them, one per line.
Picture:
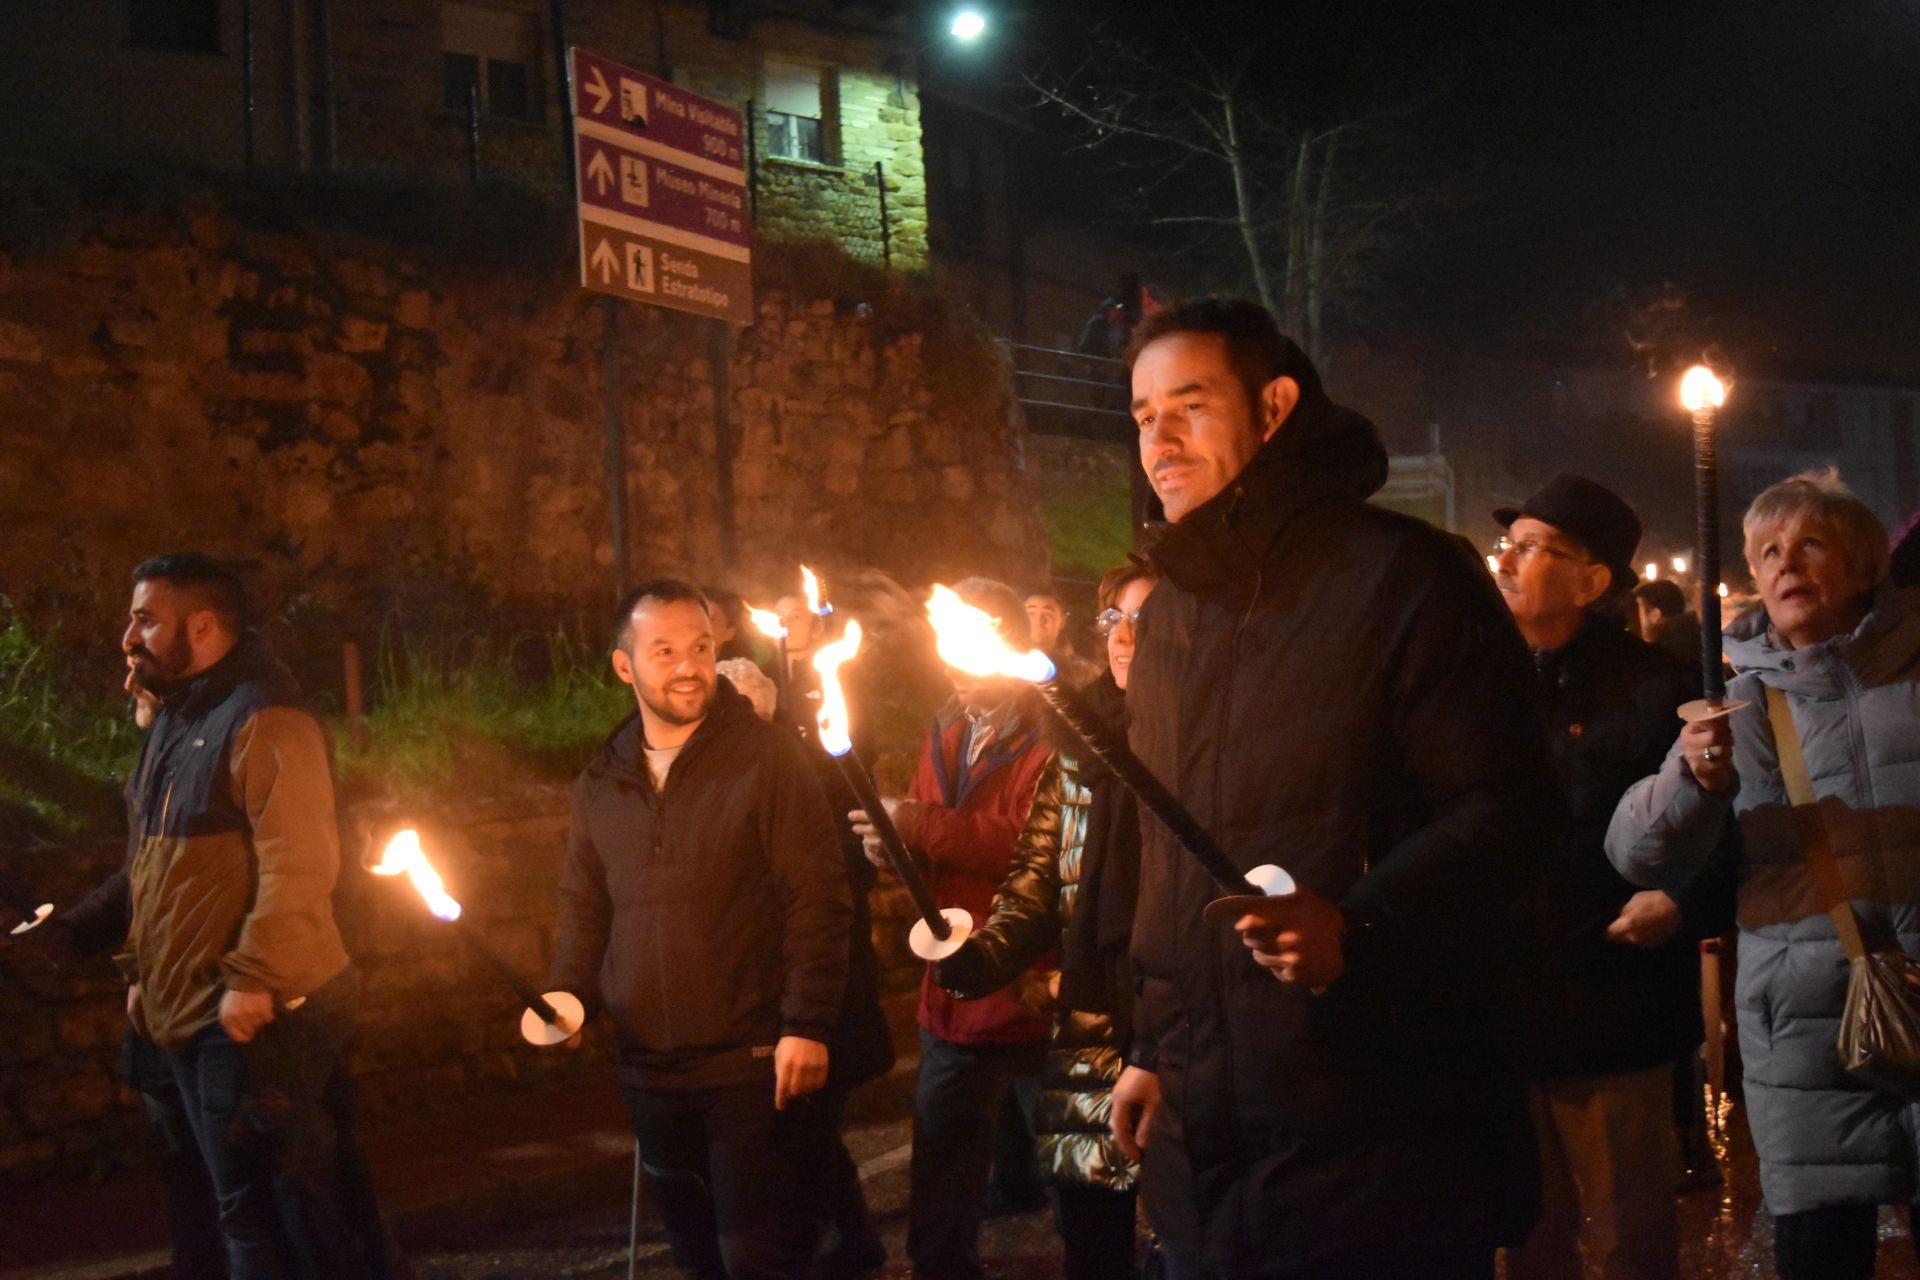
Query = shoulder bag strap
x=1812 y=827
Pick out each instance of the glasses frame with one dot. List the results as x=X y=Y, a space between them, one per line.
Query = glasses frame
x=1107 y=619
x=1527 y=548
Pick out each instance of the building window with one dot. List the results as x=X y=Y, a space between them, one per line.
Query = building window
x=177 y=26
x=796 y=113
x=493 y=52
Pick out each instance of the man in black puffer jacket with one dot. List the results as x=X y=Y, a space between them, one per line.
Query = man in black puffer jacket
x=704 y=905
x=1610 y=974
x=1337 y=689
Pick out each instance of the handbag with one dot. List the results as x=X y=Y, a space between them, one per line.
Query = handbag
x=1880 y=1023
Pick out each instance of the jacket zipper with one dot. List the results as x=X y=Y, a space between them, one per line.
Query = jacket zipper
x=1233 y=657
x=659 y=844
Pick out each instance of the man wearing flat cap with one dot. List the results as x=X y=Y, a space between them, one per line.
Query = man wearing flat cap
x=1609 y=973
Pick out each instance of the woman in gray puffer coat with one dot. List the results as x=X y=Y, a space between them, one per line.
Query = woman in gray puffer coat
x=1843 y=645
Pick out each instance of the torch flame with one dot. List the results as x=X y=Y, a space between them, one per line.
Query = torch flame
x=404 y=854
x=970 y=639
x=768 y=623
x=1700 y=390
x=812 y=586
x=836 y=727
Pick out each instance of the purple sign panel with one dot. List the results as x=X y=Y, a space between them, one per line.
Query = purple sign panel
x=606 y=93
x=617 y=178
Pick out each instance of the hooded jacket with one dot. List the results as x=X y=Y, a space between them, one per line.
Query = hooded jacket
x=708 y=917
x=235 y=849
x=1337 y=689
x=972 y=818
x=1823 y=1137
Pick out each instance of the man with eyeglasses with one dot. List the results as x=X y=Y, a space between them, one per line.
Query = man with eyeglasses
x=1610 y=974
x=1335 y=688
x=1047 y=617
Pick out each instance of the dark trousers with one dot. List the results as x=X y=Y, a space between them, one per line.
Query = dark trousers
x=1015 y=1182
x=1096 y=1225
x=286 y=1171
x=828 y=1183
x=720 y=1163
x=193 y=1215
x=1414 y=1264
x=1837 y=1242
x=955 y=1102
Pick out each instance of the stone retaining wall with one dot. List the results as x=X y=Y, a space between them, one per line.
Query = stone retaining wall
x=351 y=418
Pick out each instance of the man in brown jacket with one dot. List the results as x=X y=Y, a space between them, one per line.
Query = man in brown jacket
x=237 y=969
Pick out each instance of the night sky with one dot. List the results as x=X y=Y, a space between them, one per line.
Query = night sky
x=1763 y=157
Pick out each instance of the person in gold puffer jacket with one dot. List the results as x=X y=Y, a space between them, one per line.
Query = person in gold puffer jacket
x=1072 y=886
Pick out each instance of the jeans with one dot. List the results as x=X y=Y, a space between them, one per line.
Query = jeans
x=955 y=1103
x=193 y=1216
x=267 y=1117
x=721 y=1163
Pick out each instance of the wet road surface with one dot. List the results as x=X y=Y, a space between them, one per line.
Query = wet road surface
x=1725 y=1232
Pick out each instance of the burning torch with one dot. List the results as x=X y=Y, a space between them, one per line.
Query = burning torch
x=549 y=1018
x=1702 y=394
x=936 y=934
x=969 y=639
x=768 y=623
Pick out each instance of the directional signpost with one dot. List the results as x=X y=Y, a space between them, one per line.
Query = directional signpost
x=662 y=193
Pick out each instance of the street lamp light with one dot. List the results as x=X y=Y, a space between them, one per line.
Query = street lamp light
x=968 y=25
x=1679 y=564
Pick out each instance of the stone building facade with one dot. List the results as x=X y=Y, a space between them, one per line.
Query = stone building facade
x=435 y=91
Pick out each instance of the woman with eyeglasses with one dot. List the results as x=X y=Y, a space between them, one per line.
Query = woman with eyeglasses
x=1830 y=662
x=1075 y=878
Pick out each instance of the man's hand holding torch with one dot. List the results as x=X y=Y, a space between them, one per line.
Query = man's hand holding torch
x=1297 y=937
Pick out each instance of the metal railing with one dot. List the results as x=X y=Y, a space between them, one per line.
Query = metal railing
x=1066 y=393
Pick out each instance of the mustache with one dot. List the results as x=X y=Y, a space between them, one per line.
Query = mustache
x=1179 y=460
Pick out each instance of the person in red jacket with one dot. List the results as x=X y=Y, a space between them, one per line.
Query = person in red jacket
x=962 y=815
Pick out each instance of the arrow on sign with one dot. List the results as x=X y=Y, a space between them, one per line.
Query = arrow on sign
x=596 y=88
x=599 y=171
x=606 y=261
